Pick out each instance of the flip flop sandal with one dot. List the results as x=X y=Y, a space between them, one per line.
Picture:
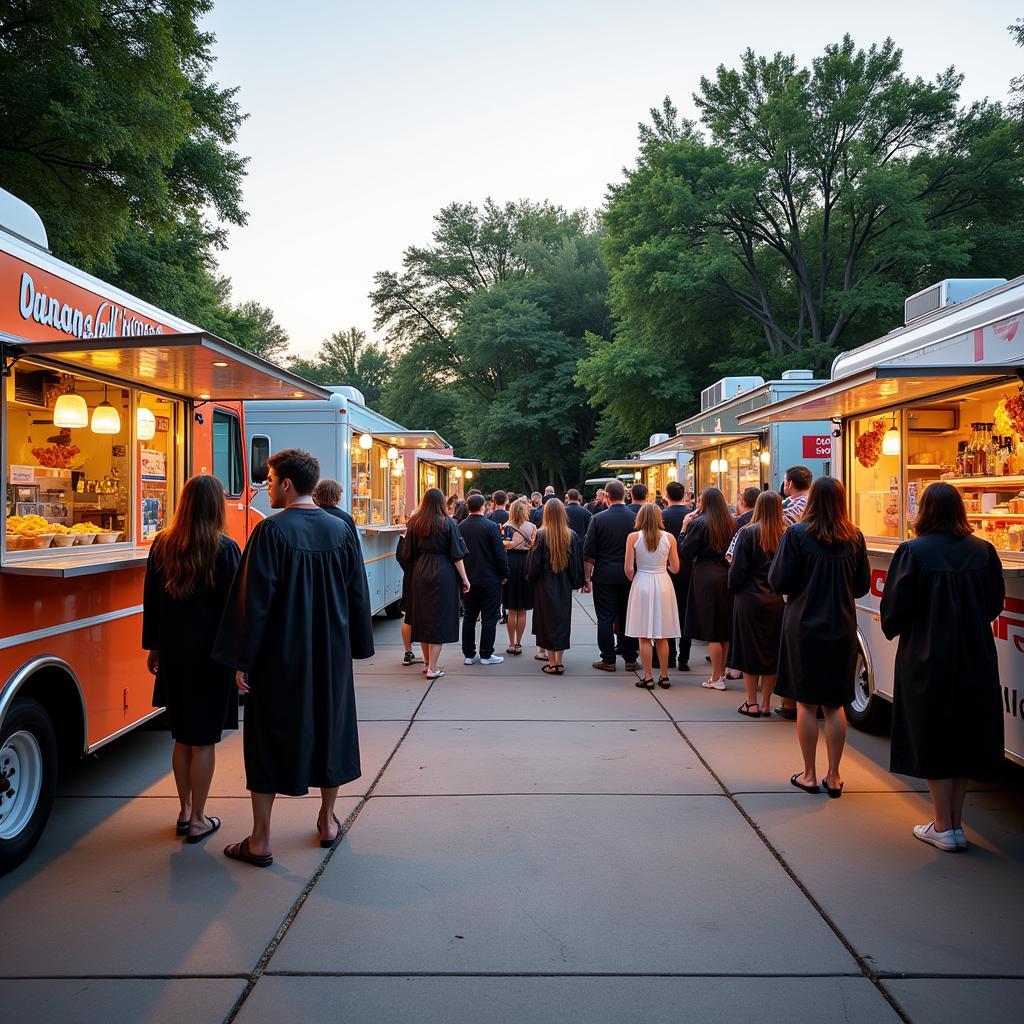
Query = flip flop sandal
x=181 y=827
x=743 y=709
x=202 y=835
x=551 y=670
x=436 y=675
x=664 y=682
x=327 y=844
x=240 y=851
x=813 y=790
x=645 y=684
x=540 y=657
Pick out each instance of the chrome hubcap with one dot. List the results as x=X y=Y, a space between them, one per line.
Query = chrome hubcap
x=21 y=780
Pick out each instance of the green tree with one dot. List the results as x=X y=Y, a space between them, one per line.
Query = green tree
x=346 y=357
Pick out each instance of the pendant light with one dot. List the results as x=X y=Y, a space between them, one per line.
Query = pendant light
x=766 y=456
x=891 y=441
x=70 y=412
x=392 y=453
x=105 y=418
x=145 y=424
x=366 y=442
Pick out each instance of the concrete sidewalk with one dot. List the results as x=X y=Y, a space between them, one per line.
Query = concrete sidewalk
x=524 y=848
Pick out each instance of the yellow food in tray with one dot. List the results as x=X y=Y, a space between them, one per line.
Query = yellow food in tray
x=28 y=526
x=86 y=528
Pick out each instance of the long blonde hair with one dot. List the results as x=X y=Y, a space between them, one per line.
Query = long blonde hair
x=650 y=524
x=555 y=525
x=519 y=512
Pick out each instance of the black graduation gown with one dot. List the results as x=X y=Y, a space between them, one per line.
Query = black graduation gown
x=552 y=593
x=708 y=602
x=818 y=654
x=199 y=693
x=432 y=599
x=941 y=595
x=756 y=611
x=296 y=616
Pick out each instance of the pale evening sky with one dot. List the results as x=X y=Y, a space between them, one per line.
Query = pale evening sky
x=366 y=118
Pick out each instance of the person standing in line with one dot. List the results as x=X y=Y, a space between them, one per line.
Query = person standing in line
x=702 y=547
x=672 y=521
x=821 y=566
x=536 y=508
x=295 y=617
x=555 y=571
x=756 y=610
x=408 y=655
x=487 y=569
x=745 y=502
x=433 y=557
x=327 y=495
x=579 y=518
x=518 y=535
x=652 y=613
x=462 y=510
x=499 y=514
x=604 y=555
x=796 y=486
x=599 y=504
x=638 y=495
x=942 y=592
x=452 y=504
x=188 y=573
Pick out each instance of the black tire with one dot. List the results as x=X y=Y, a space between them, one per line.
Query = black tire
x=394 y=610
x=867 y=711
x=27 y=722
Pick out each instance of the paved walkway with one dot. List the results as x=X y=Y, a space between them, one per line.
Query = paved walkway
x=524 y=848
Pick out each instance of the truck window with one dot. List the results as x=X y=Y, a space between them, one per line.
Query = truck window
x=227 y=452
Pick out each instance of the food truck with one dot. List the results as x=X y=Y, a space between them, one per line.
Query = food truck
x=938 y=399
x=450 y=473
x=654 y=470
x=733 y=457
x=373 y=458
x=109 y=404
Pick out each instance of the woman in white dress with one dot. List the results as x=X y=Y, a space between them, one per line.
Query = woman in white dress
x=652 y=614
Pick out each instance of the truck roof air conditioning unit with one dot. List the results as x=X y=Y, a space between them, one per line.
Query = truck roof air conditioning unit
x=726 y=388
x=946 y=293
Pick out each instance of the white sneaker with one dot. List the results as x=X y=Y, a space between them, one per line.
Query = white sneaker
x=940 y=840
x=469 y=661
x=494 y=659
x=713 y=684
x=961 y=838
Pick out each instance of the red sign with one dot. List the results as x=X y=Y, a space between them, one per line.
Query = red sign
x=817 y=447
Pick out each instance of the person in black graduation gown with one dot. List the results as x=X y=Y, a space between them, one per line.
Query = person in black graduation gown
x=296 y=616
x=756 y=610
x=555 y=571
x=672 y=519
x=604 y=558
x=432 y=557
x=702 y=547
x=821 y=566
x=942 y=592
x=188 y=573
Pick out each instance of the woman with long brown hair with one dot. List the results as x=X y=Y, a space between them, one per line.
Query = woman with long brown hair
x=555 y=571
x=517 y=535
x=756 y=611
x=942 y=592
x=190 y=568
x=821 y=566
x=702 y=546
x=431 y=556
x=652 y=614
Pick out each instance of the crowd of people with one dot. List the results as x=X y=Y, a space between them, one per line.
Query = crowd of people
x=770 y=586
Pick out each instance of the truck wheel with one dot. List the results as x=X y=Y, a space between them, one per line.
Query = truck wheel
x=394 y=610
x=867 y=711
x=28 y=779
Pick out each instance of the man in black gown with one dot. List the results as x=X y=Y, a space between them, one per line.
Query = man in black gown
x=604 y=557
x=296 y=616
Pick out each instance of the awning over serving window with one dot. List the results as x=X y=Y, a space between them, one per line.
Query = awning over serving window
x=693 y=442
x=425 y=439
x=877 y=388
x=197 y=366
x=456 y=462
x=635 y=463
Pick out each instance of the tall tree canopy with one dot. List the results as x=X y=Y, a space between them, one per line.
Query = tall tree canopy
x=346 y=357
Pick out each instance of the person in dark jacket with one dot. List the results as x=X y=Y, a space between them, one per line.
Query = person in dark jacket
x=604 y=556
x=942 y=592
x=702 y=546
x=327 y=495
x=638 y=496
x=579 y=518
x=599 y=504
x=672 y=519
x=745 y=501
x=487 y=569
x=821 y=566
x=555 y=570
x=499 y=514
x=756 y=611
x=433 y=557
x=190 y=568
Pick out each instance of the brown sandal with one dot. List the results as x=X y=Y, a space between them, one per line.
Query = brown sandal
x=743 y=709
x=240 y=851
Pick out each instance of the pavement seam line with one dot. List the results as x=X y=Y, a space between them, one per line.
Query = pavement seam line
x=271 y=948
x=867 y=970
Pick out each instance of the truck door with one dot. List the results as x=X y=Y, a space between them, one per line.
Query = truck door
x=229 y=468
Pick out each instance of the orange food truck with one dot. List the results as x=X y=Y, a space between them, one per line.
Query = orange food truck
x=109 y=404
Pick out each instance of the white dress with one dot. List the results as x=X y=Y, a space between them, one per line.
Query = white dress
x=652 y=611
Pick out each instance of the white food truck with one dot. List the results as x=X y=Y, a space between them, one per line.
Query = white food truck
x=929 y=401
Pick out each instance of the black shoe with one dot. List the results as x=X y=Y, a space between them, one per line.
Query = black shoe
x=789 y=714
x=503 y=621
x=684 y=666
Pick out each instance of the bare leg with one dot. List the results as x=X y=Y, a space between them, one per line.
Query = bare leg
x=647 y=657
x=750 y=684
x=718 y=654
x=521 y=626
x=201 y=776
x=510 y=625
x=555 y=657
x=181 y=763
x=433 y=652
x=807 y=732
x=767 y=688
x=328 y=830
x=407 y=636
x=957 y=802
x=835 y=741
x=662 y=645
x=262 y=808
x=942 y=803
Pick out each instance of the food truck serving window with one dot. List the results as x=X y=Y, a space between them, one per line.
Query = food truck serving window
x=370 y=483
x=87 y=463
